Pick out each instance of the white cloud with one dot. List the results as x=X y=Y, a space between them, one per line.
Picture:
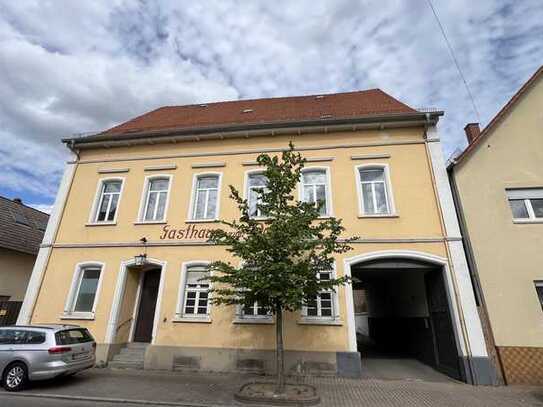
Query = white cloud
x=71 y=67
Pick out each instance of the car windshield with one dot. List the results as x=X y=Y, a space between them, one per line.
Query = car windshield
x=72 y=336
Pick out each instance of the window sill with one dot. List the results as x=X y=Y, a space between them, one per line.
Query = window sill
x=151 y=222
x=253 y=321
x=202 y=221
x=202 y=320
x=320 y=321
x=523 y=221
x=89 y=316
x=101 y=224
x=391 y=215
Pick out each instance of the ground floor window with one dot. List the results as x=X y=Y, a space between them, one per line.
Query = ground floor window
x=254 y=310
x=322 y=305
x=83 y=293
x=195 y=292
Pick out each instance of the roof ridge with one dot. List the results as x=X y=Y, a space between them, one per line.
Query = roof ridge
x=274 y=98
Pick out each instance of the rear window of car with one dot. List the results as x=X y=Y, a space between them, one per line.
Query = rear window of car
x=72 y=336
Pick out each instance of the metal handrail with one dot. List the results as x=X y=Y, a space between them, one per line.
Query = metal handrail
x=123 y=323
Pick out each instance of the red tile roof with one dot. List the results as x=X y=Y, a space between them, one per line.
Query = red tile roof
x=501 y=114
x=260 y=111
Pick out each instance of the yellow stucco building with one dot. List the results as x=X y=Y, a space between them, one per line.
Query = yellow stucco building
x=498 y=182
x=376 y=163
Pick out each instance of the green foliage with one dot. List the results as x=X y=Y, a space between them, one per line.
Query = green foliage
x=279 y=255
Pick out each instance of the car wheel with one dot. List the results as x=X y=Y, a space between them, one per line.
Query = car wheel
x=15 y=377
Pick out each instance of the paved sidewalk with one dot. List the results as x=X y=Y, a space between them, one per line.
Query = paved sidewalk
x=217 y=389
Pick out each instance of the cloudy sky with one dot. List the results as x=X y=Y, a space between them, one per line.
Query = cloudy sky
x=78 y=66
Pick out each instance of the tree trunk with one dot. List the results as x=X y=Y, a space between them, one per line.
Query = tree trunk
x=279 y=355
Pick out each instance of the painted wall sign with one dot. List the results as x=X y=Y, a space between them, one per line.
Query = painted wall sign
x=189 y=233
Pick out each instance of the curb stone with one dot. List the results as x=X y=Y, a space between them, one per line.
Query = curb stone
x=112 y=400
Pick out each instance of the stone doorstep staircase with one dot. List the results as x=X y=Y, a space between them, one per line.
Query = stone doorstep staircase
x=131 y=356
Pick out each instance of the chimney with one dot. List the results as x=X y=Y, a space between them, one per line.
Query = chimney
x=472 y=131
x=18 y=200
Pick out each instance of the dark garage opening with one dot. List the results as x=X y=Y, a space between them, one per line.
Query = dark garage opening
x=403 y=322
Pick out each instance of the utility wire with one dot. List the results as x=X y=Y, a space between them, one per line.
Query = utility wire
x=453 y=56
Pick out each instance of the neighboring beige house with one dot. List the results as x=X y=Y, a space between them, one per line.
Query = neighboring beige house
x=374 y=161
x=21 y=232
x=498 y=185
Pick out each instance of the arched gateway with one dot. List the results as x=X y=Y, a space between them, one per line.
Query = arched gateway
x=402 y=306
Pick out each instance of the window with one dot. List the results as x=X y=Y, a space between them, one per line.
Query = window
x=108 y=201
x=21 y=337
x=374 y=191
x=83 y=294
x=20 y=218
x=315 y=189
x=322 y=305
x=196 y=292
x=539 y=291
x=526 y=204
x=256 y=182
x=12 y=337
x=205 y=197
x=73 y=336
x=254 y=310
x=84 y=299
x=156 y=199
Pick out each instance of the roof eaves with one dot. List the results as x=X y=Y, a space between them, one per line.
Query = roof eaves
x=382 y=117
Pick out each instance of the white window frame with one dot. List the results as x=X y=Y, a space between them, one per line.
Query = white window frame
x=528 y=205
x=334 y=319
x=329 y=205
x=192 y=207
x=93 y=217
x=180 y=315
x=242 y=318
x=145 y=198
x=71 y=299
x=388 y=191
x=246 y=189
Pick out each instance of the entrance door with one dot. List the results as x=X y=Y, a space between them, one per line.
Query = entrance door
x=146 y=311
x=446 y=354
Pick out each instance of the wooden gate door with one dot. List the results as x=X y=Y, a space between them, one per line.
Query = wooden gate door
x=446 y=353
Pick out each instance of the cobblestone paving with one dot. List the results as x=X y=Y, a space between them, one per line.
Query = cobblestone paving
x=218 y=389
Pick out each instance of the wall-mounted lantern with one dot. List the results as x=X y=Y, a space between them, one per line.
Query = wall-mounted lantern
x=141 y=259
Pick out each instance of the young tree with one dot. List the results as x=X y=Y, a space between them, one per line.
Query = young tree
x=281 y=253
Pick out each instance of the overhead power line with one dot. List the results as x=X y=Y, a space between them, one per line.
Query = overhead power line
x=453 y=56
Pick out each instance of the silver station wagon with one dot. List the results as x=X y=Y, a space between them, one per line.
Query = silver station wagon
x=38 y=352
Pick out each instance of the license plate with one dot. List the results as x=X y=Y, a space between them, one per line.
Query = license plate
x=82 y=355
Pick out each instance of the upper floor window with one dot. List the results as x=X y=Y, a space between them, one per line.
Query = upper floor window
x=83 y=293
x=526 y=204
x=156 y=198
x=374 y=190
x=108 y=200
x=315 y=189
x=206 y=197
x=256 y=182
x=194 y=292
